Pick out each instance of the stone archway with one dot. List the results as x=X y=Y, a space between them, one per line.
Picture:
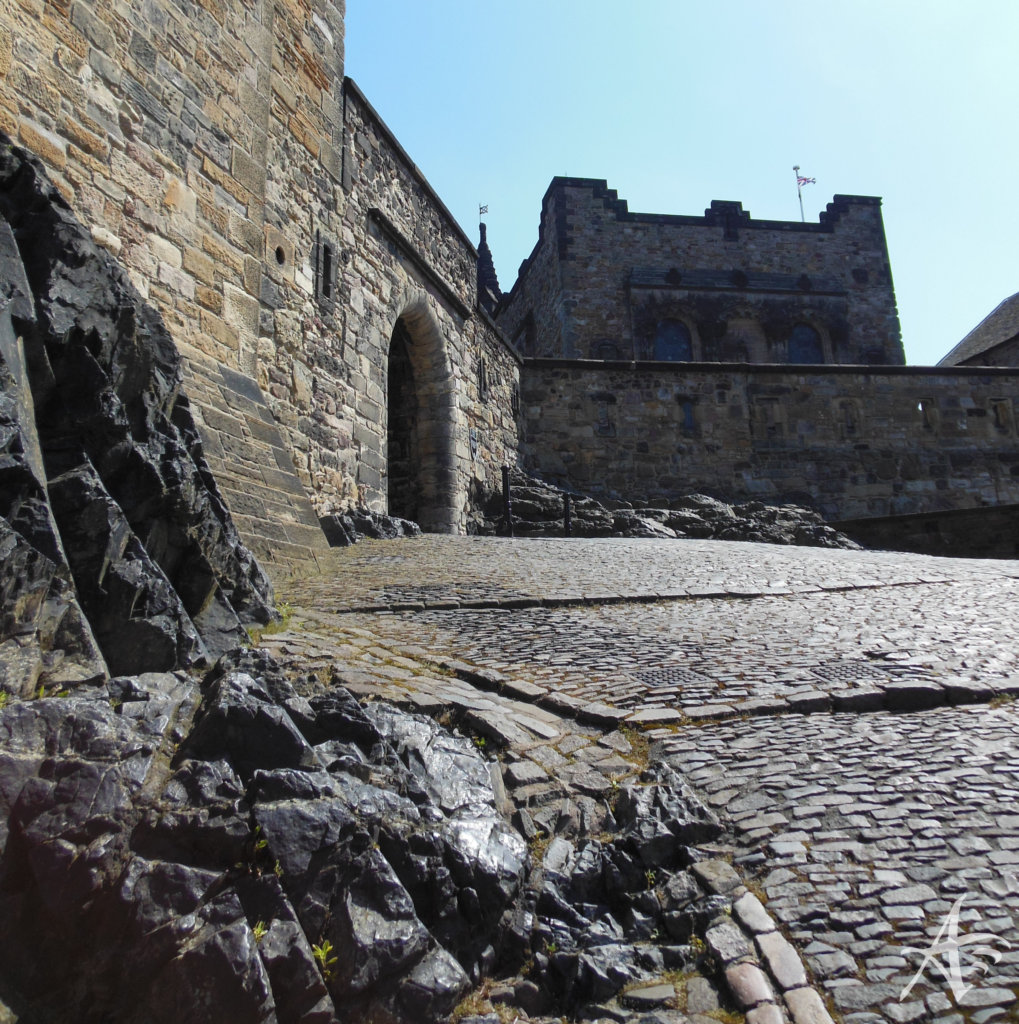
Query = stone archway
x=420 y=423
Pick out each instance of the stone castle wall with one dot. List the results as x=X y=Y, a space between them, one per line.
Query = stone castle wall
x=158 y=123
x=166 y=127
x=404 y=258
x=849 y=441
x=738 y=285
x=315 y=283
x=261 y=205
x=532 y=314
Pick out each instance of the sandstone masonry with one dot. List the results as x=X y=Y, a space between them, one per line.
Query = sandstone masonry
x=257 y=200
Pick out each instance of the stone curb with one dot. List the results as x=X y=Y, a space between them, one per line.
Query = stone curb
x=899 y=695
x=491 y=681
x=762 y=968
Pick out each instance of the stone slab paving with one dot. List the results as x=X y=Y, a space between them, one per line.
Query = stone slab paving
x=850 y=715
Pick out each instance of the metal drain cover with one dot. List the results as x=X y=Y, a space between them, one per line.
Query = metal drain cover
x=662 y=677
x=850 y=672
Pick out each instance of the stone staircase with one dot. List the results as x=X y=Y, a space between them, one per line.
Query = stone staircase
x=256 y=475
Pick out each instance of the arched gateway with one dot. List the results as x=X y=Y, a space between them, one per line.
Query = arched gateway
x=420 y=427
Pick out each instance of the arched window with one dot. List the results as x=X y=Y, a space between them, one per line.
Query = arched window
x=672 y=342
x=805 y=345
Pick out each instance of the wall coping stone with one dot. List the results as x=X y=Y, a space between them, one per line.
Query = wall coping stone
x=351 y=87
x=812 y=369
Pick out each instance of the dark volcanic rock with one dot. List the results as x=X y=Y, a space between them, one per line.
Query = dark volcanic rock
x=242 y=724
x=45 y=639
x=102 y=471
x=250 y=882
x=135 y=613
x=348 y=528
x=602 y=903
x=538 y=510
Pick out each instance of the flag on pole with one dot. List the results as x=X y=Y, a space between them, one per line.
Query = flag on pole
x=482 y=210
x=800 y=182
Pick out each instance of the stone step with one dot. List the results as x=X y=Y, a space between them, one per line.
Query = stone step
x=248 y=456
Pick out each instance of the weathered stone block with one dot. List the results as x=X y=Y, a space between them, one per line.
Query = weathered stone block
x=245 y=233
x=247 y=171
x=92 y=27
x=240 y=310
x=44 y=144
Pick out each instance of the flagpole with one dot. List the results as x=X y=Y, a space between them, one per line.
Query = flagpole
x=799 y=192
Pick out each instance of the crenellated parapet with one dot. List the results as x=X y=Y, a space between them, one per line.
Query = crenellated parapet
x=604 y=282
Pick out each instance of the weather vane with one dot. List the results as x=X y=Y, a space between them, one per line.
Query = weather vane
x=800 y=182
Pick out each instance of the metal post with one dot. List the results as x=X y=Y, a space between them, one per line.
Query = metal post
x=507 y=501
x=567 y=518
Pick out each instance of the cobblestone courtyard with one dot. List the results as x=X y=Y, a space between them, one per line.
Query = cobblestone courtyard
x=850 y=717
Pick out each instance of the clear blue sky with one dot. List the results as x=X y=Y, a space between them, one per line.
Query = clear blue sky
x=678 y=102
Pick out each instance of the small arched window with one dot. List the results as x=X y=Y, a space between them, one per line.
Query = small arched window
x=805 y=345
x=672 y=342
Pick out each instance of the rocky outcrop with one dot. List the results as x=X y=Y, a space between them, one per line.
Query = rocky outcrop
x=246 y=846
x=348 y=528
x=615 y=911
x=127 y=557
x=177 y=851
x=538 y=509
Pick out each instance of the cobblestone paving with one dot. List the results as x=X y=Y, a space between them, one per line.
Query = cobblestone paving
x=717 y=657
x=769 y=675
x=863 y=831
x=477 y=570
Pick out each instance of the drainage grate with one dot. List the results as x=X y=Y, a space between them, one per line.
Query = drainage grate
x=659 y=678
x=850 y=672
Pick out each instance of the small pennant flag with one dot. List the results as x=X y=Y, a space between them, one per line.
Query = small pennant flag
x=805 y=181
x=482 y=210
